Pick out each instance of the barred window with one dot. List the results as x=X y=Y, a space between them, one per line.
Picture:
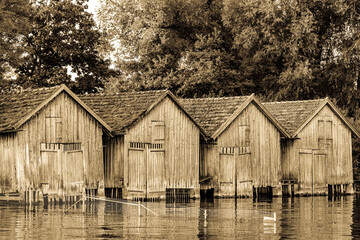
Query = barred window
x=158 y=131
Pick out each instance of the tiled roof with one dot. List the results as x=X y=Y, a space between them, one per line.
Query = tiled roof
x=16 y=105
x=211 y=113
x=292 y=114
x=122 y=109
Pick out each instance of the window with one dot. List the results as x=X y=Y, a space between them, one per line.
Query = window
x=325 y=134
x=53 y=129
x=328 y=130
x=158 y=131
x=244 y=135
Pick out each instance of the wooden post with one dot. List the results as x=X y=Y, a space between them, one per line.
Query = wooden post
x=36 y=195
x=342 y=189
x=83 y=199
x=139 y=208
x=30 y=197
x=236 y=156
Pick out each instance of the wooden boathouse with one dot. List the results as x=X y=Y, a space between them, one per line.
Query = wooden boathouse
x=154 y=153
x=50 y=145
x=318 y=157
x=242 y=157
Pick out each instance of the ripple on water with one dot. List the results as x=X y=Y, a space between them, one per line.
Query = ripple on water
x=305 y=218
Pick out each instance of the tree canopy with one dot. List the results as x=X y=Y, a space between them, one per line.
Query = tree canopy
x=296 y=49
x=14 y=25
x=62 y=48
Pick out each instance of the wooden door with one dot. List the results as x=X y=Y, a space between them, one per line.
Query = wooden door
x=137 y=172
x=155 y=173
x=50 y=171
x=74 y=171
x=227 y=174
x=243 y=174
x=313 y=170
x=306 y=170
x=320 y=180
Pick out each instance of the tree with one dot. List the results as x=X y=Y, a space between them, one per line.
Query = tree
x=297 y=49
x=63 y=37
x=14 y=25
x=177 y=44
x=282 y=50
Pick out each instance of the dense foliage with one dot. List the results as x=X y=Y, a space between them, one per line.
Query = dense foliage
x=60 y=45
x=14 y=25
x=294 y=49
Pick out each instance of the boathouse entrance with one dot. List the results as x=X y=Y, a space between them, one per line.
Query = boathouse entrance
x=312 y=164
x=61 y=168
x=146 y=170
x=235 y=171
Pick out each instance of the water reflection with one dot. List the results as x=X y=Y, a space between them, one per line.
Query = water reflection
x=355 y=225
x=305 y=218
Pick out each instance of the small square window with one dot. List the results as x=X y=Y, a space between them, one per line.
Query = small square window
x=158 y=131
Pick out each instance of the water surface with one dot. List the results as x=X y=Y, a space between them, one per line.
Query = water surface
x=297 y=218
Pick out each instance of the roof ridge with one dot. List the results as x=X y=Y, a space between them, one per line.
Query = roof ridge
x=215 y=98
x=296 y=101
x=123 y=93
x=29 y=90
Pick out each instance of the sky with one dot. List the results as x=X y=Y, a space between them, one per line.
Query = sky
x=92 y=6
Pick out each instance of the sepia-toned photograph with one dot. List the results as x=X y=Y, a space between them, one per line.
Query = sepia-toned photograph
x=179 y=119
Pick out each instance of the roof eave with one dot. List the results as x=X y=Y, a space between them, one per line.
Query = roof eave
x=155 y=103
x=173 y=97
x=309 y=118
x=88 y=109
x=237 y=112
x=38 y=108
x=233 y=116
x=343 y=118
x=334 y=109
x=62 y=87
x=10 y=131
x=271 y=118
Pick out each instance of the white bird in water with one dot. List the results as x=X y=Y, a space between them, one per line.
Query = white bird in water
x=270 y=218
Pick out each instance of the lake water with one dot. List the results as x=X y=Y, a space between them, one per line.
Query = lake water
x=297 y=218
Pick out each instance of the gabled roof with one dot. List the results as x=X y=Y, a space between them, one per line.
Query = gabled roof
x=295 y=115
x=122 y=110
x=16 y=108
x=216 y=114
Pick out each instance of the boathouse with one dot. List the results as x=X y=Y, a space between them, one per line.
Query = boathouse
x=318 y=157
x=154 y=153
x=50 y=144
x=242 y=157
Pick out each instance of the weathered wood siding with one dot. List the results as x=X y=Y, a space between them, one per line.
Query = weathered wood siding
x=326 y=133
x=114 y=161
x=61 y=125
x=9 y=147
x=252 y=144
x=166 y=124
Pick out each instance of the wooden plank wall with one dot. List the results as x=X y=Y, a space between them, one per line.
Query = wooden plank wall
x=114 y=161
x=61 y=121
x=181 y=144
x=8 y=158
x=339 y=155
x=265 y=157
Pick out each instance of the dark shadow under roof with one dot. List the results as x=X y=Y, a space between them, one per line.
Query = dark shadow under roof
x=121 y=110
x=292 y=114
x=211 y=113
